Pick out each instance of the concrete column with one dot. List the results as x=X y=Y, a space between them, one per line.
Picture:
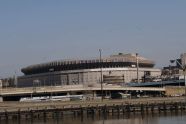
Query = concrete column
x=68 y=79
x=94 y=94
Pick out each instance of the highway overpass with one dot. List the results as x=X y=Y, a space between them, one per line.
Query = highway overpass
x=17 y=93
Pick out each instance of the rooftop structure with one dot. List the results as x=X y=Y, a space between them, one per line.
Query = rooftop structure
x=114 y=61
x=176 y=69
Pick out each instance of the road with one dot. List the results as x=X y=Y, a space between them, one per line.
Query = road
x=71 y=88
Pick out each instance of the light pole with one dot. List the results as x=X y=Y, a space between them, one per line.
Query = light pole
x=15 y=80
x=183 y=67
x=50 y=78
x=137 y=66
x=101 y=72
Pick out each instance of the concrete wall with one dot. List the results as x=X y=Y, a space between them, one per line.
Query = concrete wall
x=86 y=76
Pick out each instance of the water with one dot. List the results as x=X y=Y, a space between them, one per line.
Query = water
x=162 y=118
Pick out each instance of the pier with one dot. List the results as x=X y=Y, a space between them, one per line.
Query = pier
x=50 y=109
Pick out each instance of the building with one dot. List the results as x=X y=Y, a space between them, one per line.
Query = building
x=7 y=82
x=121 y=68
x=175 y=70
x=1 y=83
x=183 y=59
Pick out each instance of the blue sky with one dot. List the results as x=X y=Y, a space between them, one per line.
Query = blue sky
x=35 y=31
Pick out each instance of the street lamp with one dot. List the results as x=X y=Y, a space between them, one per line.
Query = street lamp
x=101 y=72
x=137 y=66
x=15 y=79
x=50 y=79
x=183 y=67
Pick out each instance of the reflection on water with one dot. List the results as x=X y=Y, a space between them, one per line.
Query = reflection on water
x=133 y=118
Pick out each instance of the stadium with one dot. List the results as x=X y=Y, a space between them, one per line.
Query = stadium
x=115 y=69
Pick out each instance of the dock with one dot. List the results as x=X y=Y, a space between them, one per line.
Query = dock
x=48 y=109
